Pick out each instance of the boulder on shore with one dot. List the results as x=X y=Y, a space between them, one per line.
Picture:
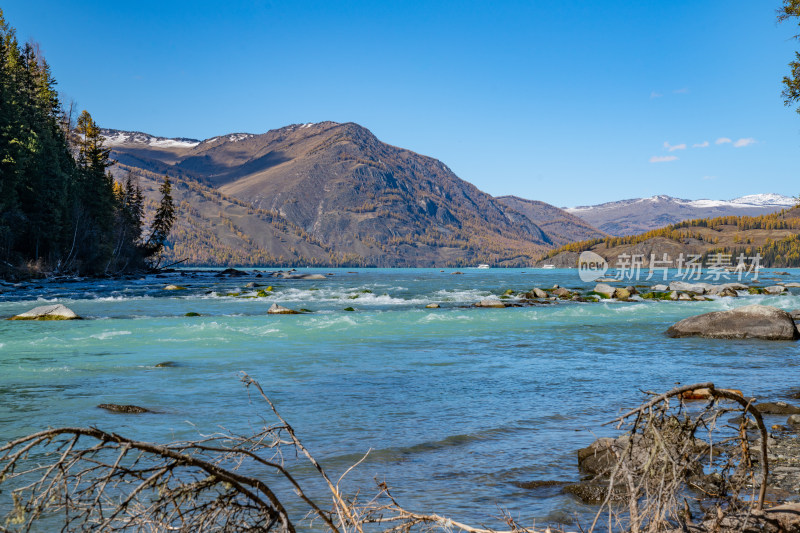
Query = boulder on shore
x=48 y=312
x=276 y=309
x=749 y=322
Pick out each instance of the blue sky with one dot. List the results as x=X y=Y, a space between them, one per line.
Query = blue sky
x=570 y=102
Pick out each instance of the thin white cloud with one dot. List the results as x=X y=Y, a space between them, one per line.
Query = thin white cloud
x=703 y=144
x=722 y=140
x=741 y=143
x=709 y=177
x=672 y=148
x=655 y=95
x=662 y=158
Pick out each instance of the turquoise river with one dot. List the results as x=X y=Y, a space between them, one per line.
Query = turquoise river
x=458 y=405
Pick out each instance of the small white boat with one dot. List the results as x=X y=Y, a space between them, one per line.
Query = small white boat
x=548 y=267
x=483 y=266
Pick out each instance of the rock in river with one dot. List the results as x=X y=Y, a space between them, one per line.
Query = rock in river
x=774 y=289
x=48 y=312
x=777 y=408
x=539 y=293
x=116 y=408
x=490 y=302
x=276 y=309
x=622 y=294
x=749 y=322
x=606 y=290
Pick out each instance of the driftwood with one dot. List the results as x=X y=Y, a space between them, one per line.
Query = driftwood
x=673 y=452
x=86 y=479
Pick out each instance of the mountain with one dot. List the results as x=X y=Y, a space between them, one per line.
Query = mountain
x=334 y=194
x=638 y=215
x=561 y=226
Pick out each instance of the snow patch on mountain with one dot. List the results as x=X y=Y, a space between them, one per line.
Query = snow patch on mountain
x=751 y=200
x=117 y=137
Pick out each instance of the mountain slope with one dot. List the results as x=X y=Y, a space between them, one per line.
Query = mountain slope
x=368 y=201
x=638 y=215
x=561 y=226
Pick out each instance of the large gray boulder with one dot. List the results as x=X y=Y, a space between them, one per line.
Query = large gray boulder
x=48 y=312
x=749 y=322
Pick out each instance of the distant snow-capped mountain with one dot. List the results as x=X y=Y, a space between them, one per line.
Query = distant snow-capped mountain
x=637 y=215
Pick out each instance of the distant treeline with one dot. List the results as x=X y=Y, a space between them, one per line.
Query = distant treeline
x=783 y=252
x=60 y=209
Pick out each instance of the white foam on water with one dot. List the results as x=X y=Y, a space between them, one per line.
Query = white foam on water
x=461 y=295
x=331 y=321
x=446 y=317
x=109 y=334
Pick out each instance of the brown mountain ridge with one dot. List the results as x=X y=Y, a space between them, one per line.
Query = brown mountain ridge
x=346 y=197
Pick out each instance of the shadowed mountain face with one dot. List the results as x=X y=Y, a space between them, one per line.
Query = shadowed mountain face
x=638 y=215
x=559 y=225
x=365 y=200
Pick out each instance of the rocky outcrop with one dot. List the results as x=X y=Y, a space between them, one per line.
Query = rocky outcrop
x=750 y=322
x=48 y=312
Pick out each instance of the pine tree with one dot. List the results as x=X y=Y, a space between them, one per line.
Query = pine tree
x=59 y=208
x=162 y=222
x=95 y=189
